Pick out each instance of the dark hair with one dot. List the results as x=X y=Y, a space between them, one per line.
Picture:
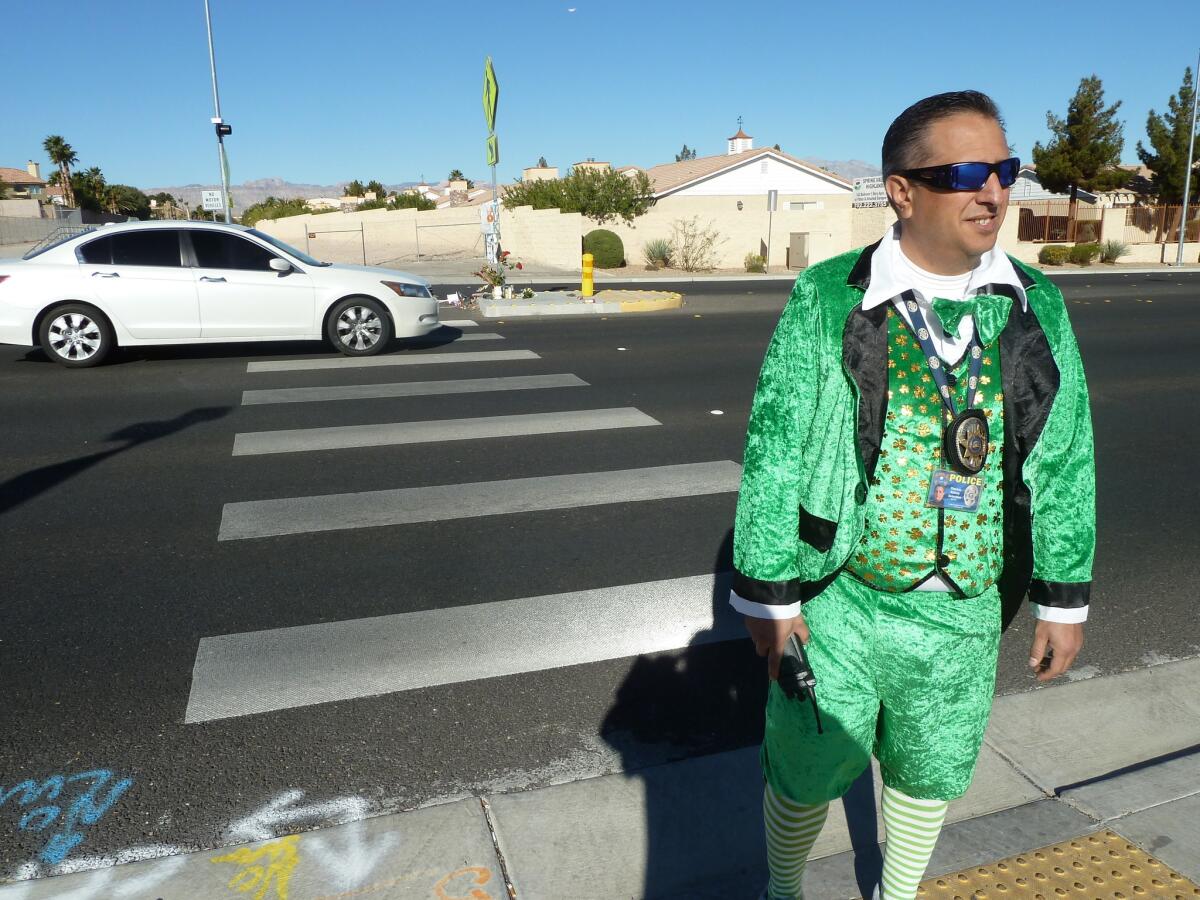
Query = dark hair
x=904 y=143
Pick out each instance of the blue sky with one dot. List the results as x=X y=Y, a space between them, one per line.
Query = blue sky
x=320 y=92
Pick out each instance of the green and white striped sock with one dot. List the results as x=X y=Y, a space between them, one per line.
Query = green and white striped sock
x=792 y=830
x=912 y=828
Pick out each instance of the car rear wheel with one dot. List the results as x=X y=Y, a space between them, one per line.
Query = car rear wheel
x=359 y=326
x=76 y=335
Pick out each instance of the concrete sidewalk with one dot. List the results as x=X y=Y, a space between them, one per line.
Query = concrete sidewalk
x=1119 y=754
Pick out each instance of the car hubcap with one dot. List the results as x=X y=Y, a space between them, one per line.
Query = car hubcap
x=359 y=328
x=74 y=336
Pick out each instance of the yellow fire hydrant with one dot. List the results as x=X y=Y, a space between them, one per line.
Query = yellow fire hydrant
x=587 y=275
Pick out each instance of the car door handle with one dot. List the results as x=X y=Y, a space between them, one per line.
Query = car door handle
x=106 y=274
x=207 y=278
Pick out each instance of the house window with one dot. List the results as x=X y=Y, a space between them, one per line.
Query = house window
x=799 y=205
x=763 y=167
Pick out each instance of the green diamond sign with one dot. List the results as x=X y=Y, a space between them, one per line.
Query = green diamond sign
x=491 y=93
x=493 y=151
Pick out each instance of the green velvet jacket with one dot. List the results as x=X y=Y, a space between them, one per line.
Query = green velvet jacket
x=817 y=422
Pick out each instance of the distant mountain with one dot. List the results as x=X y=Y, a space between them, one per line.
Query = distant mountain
x=250 y=192
x=847 y=168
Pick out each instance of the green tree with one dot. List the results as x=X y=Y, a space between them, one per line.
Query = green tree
x=602 y=196
x=1169 y=137
x=355 y=189
x=3 y=190
x=274 y=208
x=685 y=154
x=411 y=201
x=88 y=189
x=1086 y=146
x=377 y=187
x=64 y=157
x=542 y=164
x=121 y=199
x=457 y=175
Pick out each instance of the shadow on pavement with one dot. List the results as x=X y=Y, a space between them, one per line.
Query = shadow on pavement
x=705 y=817
x=28 y=485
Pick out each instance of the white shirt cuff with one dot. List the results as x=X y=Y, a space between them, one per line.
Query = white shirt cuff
x=763 y=610
x=1070 y=616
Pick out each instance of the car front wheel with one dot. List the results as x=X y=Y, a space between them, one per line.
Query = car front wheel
x=359 y=326
x=76 y=335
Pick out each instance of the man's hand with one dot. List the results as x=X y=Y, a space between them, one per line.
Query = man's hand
x=1061 y=640
x=770 y=636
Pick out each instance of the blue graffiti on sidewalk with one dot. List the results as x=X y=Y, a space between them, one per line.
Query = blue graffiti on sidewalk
x=86 y=809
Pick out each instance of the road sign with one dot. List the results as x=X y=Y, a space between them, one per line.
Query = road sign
x=211 y=200
x=869 y=192
x=489 y=219
x=493 y=150
x=491 y=93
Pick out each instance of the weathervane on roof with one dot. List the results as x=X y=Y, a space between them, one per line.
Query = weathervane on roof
x=739 y=123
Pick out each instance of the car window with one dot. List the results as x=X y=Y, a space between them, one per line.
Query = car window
x=97 y=252
x=215 y=250
x=159 y=247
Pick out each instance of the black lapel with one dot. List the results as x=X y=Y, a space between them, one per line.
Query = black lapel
x=864 y=352
x=1030 y=378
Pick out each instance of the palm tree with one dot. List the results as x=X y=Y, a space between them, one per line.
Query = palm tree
x=63 y=156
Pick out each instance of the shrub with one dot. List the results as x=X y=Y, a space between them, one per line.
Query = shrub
x=1053 y=254
x=1086 y=232
x=605 y=247
x=1084 y=254
x=755 y=262
x=694 y=248
x=1113 y=250
x=657 y=252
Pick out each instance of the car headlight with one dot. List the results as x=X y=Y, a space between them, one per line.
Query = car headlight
x=407 y=290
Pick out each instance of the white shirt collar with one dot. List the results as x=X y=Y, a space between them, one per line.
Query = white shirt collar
x=889 y=280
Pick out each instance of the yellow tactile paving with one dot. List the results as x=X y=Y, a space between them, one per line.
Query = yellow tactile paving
x=1100 y=866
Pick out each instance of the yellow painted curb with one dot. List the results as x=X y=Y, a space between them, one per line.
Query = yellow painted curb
x=641 y=301
x=1096 y=866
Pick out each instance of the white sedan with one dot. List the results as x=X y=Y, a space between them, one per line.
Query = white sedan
x=195 y=283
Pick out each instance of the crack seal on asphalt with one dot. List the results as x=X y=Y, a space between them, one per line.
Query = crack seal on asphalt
x=491 y=826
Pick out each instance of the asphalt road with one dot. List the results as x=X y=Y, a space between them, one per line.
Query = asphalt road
x=112 y=487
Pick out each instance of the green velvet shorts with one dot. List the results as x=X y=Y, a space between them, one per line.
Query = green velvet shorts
x=909 y=677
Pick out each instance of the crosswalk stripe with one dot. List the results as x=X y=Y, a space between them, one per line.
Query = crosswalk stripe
x=342 y=437
x=281 y=668
x=406 y=506
x=476 y=336
x=460 y=323
x=409 y=389
x=388 y=359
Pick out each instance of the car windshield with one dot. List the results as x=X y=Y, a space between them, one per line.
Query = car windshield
x=287 y=248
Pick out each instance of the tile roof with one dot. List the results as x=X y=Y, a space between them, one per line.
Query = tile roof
x=741 y=135
x=670 y=176
x=17 y=176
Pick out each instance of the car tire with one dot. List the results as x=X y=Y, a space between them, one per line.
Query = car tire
x=358 y=326
x=76 y=335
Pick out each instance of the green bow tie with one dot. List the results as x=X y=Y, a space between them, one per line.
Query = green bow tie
x=990 y=312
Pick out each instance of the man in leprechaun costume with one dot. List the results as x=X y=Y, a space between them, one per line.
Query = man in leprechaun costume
x=918 y=462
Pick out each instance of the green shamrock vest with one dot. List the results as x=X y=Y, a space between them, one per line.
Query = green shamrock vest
x=904 y=541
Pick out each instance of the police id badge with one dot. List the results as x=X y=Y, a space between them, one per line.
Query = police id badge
x=952 y=490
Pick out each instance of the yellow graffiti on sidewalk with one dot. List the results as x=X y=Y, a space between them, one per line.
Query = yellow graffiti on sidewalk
x=263 y=867
x=481 y=876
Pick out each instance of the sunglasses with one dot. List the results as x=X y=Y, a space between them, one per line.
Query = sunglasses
x=966 y=176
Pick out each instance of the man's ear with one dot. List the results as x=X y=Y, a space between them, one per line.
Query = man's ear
x=899 y=191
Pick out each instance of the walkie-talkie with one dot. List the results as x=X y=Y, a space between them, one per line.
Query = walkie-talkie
x=796 y=678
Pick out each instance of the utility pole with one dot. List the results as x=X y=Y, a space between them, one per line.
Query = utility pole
x=221 y=127
x=1187 y=181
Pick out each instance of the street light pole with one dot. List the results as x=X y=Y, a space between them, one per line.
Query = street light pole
x=222 y=128
x=1187 y=181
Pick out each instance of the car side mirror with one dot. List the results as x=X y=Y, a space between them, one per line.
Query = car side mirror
x=280 y=265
